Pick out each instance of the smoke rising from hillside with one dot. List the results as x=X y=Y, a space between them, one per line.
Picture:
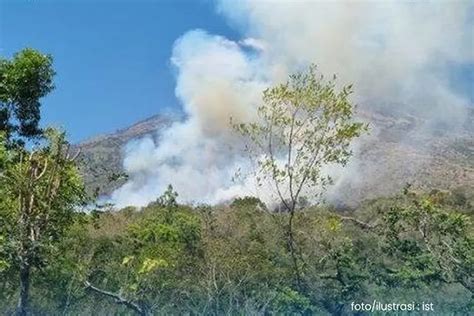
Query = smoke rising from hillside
x=393 y=52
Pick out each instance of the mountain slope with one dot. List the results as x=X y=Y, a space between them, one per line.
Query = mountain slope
x=101 y=158
x=401 y=151
x=398 y=151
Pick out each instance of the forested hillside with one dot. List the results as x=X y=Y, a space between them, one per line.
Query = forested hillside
x=174 y=259
x=400 y=234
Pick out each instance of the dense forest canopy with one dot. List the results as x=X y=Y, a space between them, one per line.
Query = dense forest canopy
x=61 y=254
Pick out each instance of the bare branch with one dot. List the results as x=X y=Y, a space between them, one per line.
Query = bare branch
x=45 y=167
x=75 y=155
x=118 y=298
x=358 y=222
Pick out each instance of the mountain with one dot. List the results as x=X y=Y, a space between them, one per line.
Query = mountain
x=404 y=149
x=401 y=149
x=100 y=159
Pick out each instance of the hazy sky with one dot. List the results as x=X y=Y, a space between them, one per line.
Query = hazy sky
x=111 y=57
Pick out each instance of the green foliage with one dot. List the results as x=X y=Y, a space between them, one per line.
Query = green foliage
x=289 y=301
x=168 y=199
x=428 y=244
x=171 y=259
x=151 y=255
x=24 y=80
x=248 y=202
x=234 y=260
x=303 y=124
x=39 y=192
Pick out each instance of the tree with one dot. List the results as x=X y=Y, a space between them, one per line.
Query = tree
x=24 y=80
x=157 y=251
x=304 y=125
x=168 y=199
x=39 y=191
x=427 y=244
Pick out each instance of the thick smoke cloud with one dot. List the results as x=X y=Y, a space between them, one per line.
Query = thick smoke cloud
x=394 y=52
x=399 y=51
x=216 y=80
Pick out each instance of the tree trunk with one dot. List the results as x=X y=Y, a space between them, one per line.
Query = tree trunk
x=291 y=246
x=22 y=308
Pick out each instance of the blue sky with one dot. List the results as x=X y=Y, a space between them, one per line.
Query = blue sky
x=111 y=58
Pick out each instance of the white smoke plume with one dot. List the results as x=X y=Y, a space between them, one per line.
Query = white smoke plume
x=395 y=52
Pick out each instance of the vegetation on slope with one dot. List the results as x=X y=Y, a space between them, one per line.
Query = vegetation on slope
x=176 y=259
x=167 y=258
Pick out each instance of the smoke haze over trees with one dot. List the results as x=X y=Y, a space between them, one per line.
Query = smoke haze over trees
x=396 y=66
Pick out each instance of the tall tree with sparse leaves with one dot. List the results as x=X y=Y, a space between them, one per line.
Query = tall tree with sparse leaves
x=303 y=125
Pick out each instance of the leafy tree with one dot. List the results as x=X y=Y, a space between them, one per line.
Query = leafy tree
x=39 y=191
x=427 y=244
x=159 y=249
x=168 y=199
x=245 y=266
x=24 y=80
x=234 y=260
x=304 y=124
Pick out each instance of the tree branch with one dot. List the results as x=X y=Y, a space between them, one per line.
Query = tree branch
x=272 y=159
x=118 y=299
x=358 y=222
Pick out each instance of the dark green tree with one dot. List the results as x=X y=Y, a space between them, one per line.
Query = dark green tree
x=24 y=80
